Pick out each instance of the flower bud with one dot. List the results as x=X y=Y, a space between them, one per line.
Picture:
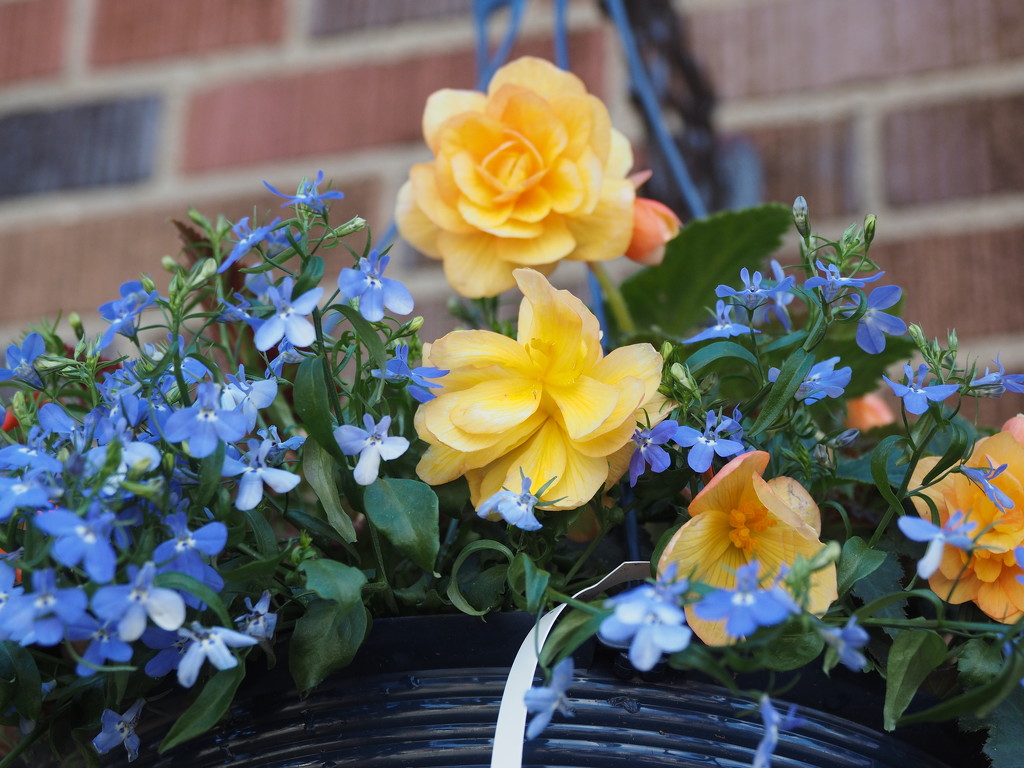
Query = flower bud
x=844 y=439
x=353 y=225
x=666 y=349
x=823 y=455
x=75 y=321
x=415 y=324
x=201 y=273
x=147 y=283
x=952 y=342
x=800 y=216
x=867 y=412
x=1015 y=426
x=682 y=374
x=170 y=264
x=917 y=334
x=869 y=229
x=654 y=224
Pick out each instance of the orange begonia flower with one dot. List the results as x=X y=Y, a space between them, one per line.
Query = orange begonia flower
x=988 y=574
x=739 y=517
x=549 y=404
x=526 y=175
x=868 y=412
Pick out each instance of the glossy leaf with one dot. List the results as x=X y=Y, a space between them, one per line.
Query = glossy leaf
x=791 y=375
x=318 y=469
x=210 y=706
x=405 y=511
x=857 y=562
x=313 y=407
x=914 y=654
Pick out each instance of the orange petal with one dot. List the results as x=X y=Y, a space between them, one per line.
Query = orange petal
x=605 y=233
x=427 y=197
x=414 y=225
x=540 y=76
x=732 y=485
x=445 y=104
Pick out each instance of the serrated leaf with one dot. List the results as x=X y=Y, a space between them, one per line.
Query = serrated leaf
x=318 y=469
x=1006 y=731
x=405 y=511
x=313 y=407
x=883 y=583
x=706 y=253
x=866 y=369
x=210 y=706
x=914 y=654
x=857 y=562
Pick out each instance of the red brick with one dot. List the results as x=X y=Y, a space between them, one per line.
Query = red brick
x=797 y=45
x=953 y=151
x=815 y=160
x=131 y=30
x=341 y=109
x=84 y=262
x=331 y=17
x=31 y=34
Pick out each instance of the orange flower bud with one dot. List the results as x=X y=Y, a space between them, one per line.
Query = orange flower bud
x=868 y=412
x=1015 y=426
x=10 y=421
x=654 y=224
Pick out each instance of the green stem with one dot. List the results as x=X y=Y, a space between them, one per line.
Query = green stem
x=382 y=573
x=614 y=299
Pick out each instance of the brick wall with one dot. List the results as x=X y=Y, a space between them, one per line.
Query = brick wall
x=117 y=115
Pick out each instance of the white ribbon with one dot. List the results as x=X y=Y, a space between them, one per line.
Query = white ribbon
x=507 y=751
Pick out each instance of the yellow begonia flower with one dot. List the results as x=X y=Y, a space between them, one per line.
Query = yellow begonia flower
x=988 y=574
x=739 y=517
x=523 y=176
x=549 y=404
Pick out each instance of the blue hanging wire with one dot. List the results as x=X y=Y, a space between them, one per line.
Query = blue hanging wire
x=487 y=64
x=561 y=34
x=649 y=103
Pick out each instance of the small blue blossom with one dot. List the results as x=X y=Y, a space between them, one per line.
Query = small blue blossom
x=308 y=194
x=753 y=294
x=723 y=328
x=822 y=381
x=983 y=477
x=773 y=724
x=514 y=508
x=649 y=451
x=994 y=384
x=874 y=324
x=21 y=361
x=747 y=607
x=19 y=492
x=246 y=239
x=130 y=605
x=123 y=314
x=374 y=291
x=914 y=394
x=237 y=313
x=259 y=622
x=205 y=423
x=209 y=644
x=183 y=551
x=41 y=616
x=648 y=620
x=779 y=299
x=170 y=647
x=286 y=355
x=119 y=729
x=104 y=644
x=248 y=396
x=705 y=445
x=397 y=370
x=83 y=540
x=289 y=318
x=847 y=641
x=833 y=282
x=543 y=701
x=956 y=533
x=255 y=471
x=8 y=594
x=372 y=444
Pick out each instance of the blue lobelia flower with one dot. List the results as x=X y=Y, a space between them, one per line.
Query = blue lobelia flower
x=874 y=324
x=130 y=605
x=753 y=294
x=289 y=318
x=374 y=291
x=822 y=381
x=205 y=423
x=248 y=396
x=123 y=314
x=21 y=361
x=705 y=445
x=956 y=532
x=183 y=552
x=212 y=644
x=847 y=642
x=648 y=620
x=259 y=622
x=833 y=282
x=18 y=492
x=8 y=594
x=983 y=477
x=286 y=355
x=83 y=540
x=255 y=471
x=723 y=328
x=514 y=508
x=747 y=607
x=915 y=395
x=779 y=298
x=308 y=194
x=543 y=701
x=649 y=451
x=397 y=370
x=119 y=729
x=103 y=641
x=994 y=384
x=371 y=444
x=170 y=647
x=41 y=616
x=773 y=724
x=247 y=239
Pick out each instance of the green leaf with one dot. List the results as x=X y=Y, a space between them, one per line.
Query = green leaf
x=980 y=661
x=880 y=472
x=210 y=706
x=1006 y=731
x=367 y=334
x=312 y=274
x=454 y=590
x=313 y=407
x=792 y=374
x=405 y=511
x=959 y=447
x=335 y=581
x=185 y=583
x=792 y=651
x=673 y=295
x=857 y=562
x=318 y=469
x=882 y=591
x=914 y=654
x=324 y=641
x=571 y=631
x=20 y=682
x=263 y=532
x=210 y=469
x=718 y=351
x=526 y=578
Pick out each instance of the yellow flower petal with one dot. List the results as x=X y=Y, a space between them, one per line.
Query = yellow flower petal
x=492 y=407
x=606 y=232
x=583 y=405
x=539 y=76
x=478 y=349
x=732 y=486
x=564 y=185
x=414 y=225
x=428 y=198
x=445 y=104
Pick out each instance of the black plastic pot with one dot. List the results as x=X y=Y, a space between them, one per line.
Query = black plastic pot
x=425 y=692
